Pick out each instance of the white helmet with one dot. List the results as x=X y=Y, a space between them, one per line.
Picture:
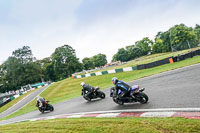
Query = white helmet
x=82 y=83
x=38 y=97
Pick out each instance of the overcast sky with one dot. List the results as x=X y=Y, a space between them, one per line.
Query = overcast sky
x=89 y=26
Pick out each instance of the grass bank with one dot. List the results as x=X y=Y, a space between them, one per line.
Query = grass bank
x=148 y=59
x=107 y=125
x=70 y=88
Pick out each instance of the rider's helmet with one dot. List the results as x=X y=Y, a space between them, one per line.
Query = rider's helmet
x=82 y=83
x=38 y=97
x=114 y=80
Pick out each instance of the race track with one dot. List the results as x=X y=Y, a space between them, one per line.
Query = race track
x=23 y=102
x=178 y=88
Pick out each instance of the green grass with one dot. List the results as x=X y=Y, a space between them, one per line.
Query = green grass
x=70 y=88
x=106 y=125
x=14 y=101
x=147 y=59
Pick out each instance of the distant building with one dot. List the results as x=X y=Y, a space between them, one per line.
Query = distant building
x=113 y=63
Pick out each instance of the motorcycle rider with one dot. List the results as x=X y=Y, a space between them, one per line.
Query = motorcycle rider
x=124 y=87
x=87 y=90
x=40 y=102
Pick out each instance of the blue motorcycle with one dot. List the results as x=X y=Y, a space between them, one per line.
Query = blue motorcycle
x=135 y=94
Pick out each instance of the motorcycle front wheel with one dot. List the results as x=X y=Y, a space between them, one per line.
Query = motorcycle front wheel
x=142 y=98
x=102 y=95
x=51 y=108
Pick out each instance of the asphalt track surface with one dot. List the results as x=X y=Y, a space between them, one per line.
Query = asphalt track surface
x=178 y=88
x=23 y=102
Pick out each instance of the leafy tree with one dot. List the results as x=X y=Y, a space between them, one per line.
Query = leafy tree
x=32 y=73
x=65 y=62
x=46 y=67
x=49 y=72
x=121 y=55
x=133 y=52
x=2 y=79
x=88 y=63
x=158 y=46
x=162 y=43
x=182 y=37
x=19 y=70
x=142 y=47
x=145 y=45
x=18 y=74
x=197 y=31
x=99 y=60
x=24 y=54
x=14 y=69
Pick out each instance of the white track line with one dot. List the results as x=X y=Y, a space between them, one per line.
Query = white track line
x=157 y=114
x=162 y=112
x=109 y=115
x=115 y=112
x=140 y=110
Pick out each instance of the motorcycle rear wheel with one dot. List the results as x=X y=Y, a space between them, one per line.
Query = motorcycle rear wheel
x=51 y=108
x=116 y=100
x=87 y=98
x=120 y=102
x=41 y=110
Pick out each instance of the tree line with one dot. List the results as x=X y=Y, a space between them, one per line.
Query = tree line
x=178 y=37
x=22 y=68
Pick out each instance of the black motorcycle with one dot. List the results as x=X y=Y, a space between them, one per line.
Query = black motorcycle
x=46 y=107
x=96 y=93
x=134 y=95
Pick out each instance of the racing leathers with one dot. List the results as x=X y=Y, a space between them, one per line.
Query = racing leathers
x=87 y=91
x=41 y=102
x=124 y=87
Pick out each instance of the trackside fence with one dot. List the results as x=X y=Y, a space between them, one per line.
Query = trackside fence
x=144 y=66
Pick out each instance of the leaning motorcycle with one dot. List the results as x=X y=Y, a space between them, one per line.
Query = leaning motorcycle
x=96 y=93
x=46 y=107
x=135 y=95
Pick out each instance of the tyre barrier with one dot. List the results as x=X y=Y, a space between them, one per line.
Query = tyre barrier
x=144 y=66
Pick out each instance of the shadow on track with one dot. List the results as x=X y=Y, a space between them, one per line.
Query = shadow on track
x=93 y=101
x=131 y=106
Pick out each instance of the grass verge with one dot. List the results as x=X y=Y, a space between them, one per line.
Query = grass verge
x=147 y=59
x=70 y=88
x=107 y=125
